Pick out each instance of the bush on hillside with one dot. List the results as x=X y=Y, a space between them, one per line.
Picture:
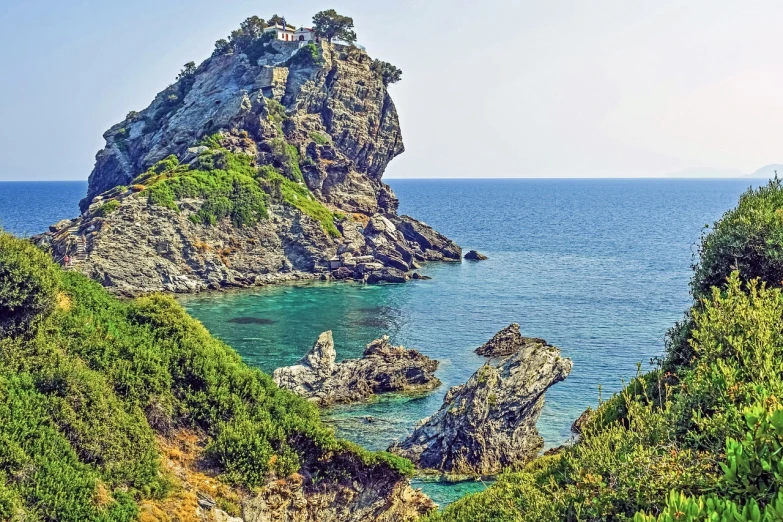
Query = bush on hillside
x=28 y=285
x=704 y=441
x=83 y=400
x=748 y=239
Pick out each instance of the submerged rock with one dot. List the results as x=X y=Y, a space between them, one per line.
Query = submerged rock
x=507 y=342
x=473 y=255
x=490 y=422
x=383 y=368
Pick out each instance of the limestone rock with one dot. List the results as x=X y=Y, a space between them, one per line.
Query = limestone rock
x=507 y=342
x=339 y=119
x=383 y=368
x=490 y=422
x=473 y=255
x=365 y=494
x=387 y=275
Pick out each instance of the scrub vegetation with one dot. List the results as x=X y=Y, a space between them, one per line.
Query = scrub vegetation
x=701 y=438
x=89 y=384
x=231 y=186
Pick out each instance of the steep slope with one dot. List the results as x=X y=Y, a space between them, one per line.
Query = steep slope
x=114 y=409
x=312 y=126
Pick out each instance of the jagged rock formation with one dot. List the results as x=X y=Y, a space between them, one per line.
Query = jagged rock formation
x=361 y=495
x=490 y=422
x=507 y=341
x=326 y=123
x=383 y=368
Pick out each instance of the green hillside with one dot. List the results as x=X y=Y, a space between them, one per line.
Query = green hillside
x=700 y=438
x=91 y=385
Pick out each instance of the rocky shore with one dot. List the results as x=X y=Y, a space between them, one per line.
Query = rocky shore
x=315 y=132
x=383 y=368
x=489 y=423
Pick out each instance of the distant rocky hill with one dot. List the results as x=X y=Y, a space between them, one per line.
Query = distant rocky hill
x=767 y=171
x=256 y=166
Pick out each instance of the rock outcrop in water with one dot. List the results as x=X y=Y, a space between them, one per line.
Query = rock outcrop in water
x=490 y=422
x=474 y=255
x=507 y=342
x=383 y=368
x=318 y=128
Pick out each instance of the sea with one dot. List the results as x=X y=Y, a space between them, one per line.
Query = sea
x=597 y=267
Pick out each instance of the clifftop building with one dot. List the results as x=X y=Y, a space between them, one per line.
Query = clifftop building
x=288 y=33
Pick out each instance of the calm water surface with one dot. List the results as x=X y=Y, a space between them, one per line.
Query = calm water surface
x=599 y=268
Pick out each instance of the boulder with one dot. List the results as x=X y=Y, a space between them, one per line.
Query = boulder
x=342 y=273
x=387 y=275
x=475 y=256
x=507 y=342
x=581 y=423
x=489 y=423
x=383 y=368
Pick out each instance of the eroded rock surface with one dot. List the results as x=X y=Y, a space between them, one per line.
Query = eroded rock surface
x=490 y=422
x=383 y=368
x=358 y=495
x=507 y=342
x=330 y=124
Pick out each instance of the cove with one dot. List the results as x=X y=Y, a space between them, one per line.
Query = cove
x=599 y=268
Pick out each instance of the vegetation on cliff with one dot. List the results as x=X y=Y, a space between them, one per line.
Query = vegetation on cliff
x=700 y=439
x=230 y=185
x=89 y=383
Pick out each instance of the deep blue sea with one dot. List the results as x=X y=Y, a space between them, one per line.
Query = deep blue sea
x=599 y=268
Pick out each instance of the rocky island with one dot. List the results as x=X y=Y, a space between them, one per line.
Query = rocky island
x=489 y=423
x=383 y=368
x=262 y=164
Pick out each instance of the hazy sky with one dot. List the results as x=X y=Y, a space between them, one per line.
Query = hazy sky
x=491 y=88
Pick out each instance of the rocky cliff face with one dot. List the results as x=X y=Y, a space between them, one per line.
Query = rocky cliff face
x=338 y=98
x=316 y=126
x=489 y=423
x=383 y=368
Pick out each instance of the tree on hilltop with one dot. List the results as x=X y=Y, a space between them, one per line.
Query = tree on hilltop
x=275 y=20
x=250 y=30
x=330 y=25
x=386 y=71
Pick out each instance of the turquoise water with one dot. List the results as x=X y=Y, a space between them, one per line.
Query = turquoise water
x=599 y=268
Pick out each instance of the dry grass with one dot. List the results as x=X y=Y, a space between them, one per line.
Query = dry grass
x=181 y=456
x=64 y=301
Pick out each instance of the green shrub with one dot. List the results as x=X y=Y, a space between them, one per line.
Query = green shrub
x=657 y=447
x=319 y=138
x=107 y=208
x=226 y=181
x=307 y=56
x=748 y=239
x=300 y=197
x=28 y=285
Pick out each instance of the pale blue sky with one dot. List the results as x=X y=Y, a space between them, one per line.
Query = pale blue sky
x=491 y=88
